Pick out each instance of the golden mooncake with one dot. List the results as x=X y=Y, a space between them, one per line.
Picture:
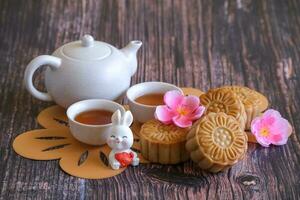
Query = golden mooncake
x=219 y=100
x=162 y=143
x=216 y=142
x=254 y=102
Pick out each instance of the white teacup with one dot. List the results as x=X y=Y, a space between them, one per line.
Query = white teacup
x=142 y=112
x=86 y=133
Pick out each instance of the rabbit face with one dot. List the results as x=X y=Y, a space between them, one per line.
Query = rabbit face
x=120 y=138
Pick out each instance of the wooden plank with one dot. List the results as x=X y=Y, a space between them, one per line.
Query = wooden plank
x=191 y=43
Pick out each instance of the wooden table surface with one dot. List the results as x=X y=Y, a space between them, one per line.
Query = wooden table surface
x=192 y=43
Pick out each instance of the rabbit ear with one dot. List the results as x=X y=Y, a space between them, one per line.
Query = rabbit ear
x=127 y=119
x=116 y=118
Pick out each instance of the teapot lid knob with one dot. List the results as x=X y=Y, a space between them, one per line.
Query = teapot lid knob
x=87 y=41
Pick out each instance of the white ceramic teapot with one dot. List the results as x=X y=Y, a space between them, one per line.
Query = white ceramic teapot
x=85 y=69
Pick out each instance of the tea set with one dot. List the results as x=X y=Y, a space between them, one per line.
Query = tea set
x=90 y=78
x=89 y=75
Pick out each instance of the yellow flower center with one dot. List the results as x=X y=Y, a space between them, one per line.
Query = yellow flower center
x=264 y=132
x=182 y=111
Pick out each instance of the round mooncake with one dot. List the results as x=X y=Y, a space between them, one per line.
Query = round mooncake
x=216 y=142
x=226 y=101
x=162 y=143
x=254 y=102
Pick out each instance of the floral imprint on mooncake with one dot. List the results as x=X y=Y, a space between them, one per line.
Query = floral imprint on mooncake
x=216 y=142
x=225 y=101
x=222 y=137
x=161 y=133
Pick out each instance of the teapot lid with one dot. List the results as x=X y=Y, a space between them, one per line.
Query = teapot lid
x=86 y=49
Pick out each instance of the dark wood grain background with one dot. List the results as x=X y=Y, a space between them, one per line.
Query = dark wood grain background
x=200 y=44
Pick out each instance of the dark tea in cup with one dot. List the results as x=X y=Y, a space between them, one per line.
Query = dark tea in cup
x=152 y=99
x=94 y=117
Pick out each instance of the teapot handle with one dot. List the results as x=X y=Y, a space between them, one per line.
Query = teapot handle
x=54 y=64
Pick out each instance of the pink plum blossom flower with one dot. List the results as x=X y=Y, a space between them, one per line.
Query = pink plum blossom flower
x=271 y=128
x=179 y=109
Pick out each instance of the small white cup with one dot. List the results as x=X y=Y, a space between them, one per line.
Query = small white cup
x=91 y=134
x=142 y=112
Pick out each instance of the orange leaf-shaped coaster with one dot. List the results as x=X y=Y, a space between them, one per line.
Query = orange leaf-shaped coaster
x=76 y=158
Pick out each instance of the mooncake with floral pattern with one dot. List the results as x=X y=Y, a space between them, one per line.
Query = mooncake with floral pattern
x=164 y=144
x=218 y=100
x=216 y=142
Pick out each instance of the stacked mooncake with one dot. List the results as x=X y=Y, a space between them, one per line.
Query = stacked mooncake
x=216 y=141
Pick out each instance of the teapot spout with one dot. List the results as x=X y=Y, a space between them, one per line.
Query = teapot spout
x=130 y=52
x=132 y=48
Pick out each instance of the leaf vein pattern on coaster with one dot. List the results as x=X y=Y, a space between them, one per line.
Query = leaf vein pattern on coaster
x=103 y=158
x=50 y=138
x=83 y=158
x=55 y=147
x=61 y=122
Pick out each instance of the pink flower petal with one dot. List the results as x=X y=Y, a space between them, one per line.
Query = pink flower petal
x=182 y=121
x=280 y=126
x=269 y=117
x=281 y=130
x=271 y=112
x=276 y=138
x=164 y=114
x=256 y=125
x=262 y=141
x=279 y=139
x=191 y=102
x=173 y=99
x=197 y=113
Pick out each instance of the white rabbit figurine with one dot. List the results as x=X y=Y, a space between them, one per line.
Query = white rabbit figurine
x=120 y=140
